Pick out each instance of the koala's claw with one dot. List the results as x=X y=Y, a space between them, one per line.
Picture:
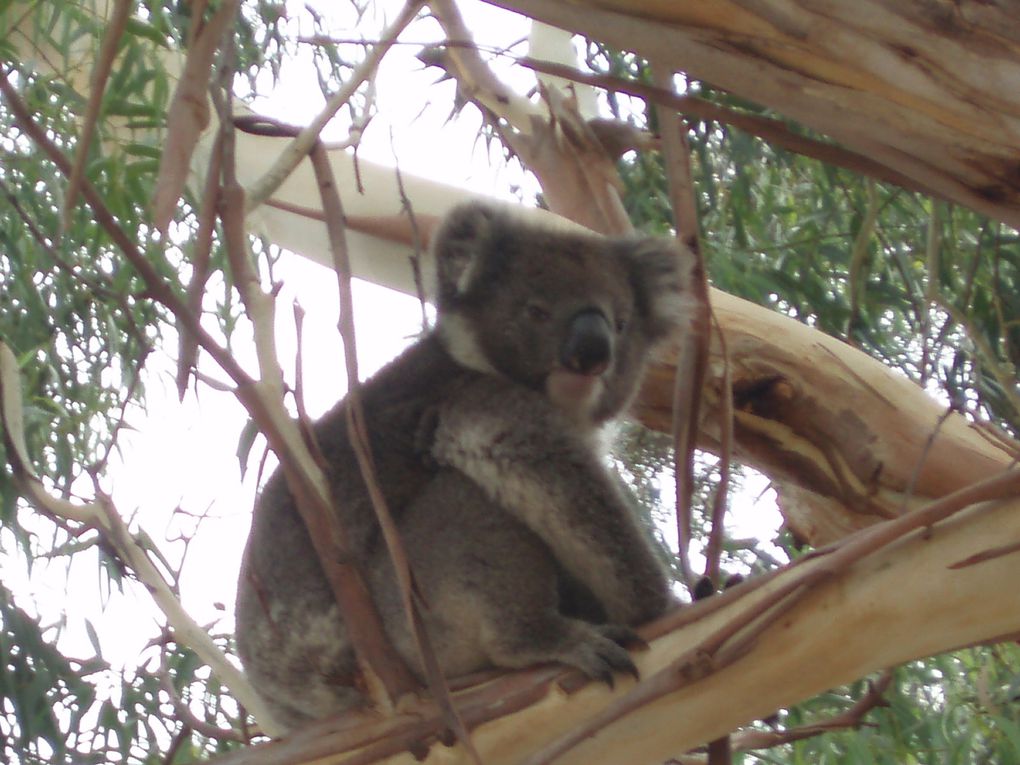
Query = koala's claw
x=623 y=636
x=602 y=654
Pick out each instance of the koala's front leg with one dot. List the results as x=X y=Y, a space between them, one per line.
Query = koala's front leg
x=543 y=468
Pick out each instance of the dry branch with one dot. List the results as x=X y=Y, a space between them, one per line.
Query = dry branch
x=287 y=160
x=578 y=176
x=100 y=74
x=361 y=444
x=849 y=619
x=773 y=131
x=103 y=517
x=692 y=356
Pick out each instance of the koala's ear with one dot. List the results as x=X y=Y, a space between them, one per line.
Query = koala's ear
x=458 y=245
x=662 y=274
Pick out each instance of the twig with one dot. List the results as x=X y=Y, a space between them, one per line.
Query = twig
x=112 y=33
x=692 y=358
x=416 y=238
x=850 y=718
x=717 y=533
x=929 y=442
x=201 y=260
x=183 y=711
x=853 y=717
x=933 y=256
x=359 y=438
x=1006 y=378
x=298 y=149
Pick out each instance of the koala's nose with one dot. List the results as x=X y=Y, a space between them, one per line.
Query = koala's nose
x=587 y=348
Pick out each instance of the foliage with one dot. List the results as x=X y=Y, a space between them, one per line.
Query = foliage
x=930 y=289
x=82 y=326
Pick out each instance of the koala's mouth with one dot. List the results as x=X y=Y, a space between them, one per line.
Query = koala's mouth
x=574 y=391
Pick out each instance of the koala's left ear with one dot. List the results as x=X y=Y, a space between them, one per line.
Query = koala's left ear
x=457 y=248
x=662 y=275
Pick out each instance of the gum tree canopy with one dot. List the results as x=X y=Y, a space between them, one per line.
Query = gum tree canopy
x=848 y=173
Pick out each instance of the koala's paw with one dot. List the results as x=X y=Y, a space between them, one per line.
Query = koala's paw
x=622 y=635
x=599 y=653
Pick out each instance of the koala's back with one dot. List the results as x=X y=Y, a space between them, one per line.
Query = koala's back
x=290 y=635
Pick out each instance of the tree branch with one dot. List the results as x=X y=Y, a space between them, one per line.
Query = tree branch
x=104 y=518
x=100 y=74
x=738 y=656
x=299 y=147
x=359 y=437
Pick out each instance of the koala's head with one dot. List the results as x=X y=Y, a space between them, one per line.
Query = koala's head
x=572 y=314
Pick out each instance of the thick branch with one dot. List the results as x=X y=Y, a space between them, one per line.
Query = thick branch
x=874 y=76
x=901 y=601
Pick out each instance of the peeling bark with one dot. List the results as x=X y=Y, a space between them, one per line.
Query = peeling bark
x=847 y=435
x=928 y=89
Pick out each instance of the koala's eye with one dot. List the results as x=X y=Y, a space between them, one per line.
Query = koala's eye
x=621 y=324
x=537 y=313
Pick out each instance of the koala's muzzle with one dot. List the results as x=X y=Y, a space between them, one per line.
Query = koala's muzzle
x=588 y=346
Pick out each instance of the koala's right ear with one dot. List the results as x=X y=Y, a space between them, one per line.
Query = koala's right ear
x=457 y=248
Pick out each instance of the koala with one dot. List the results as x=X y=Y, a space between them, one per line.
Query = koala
x=486 y=438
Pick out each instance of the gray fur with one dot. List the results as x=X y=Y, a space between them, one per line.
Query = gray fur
x=522 y=541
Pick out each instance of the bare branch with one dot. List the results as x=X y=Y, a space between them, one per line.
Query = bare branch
x=104 y=518
x=97 y=87
x=357 y=430
x=853 y=717
x=183 y=711
x=692 y=362
x=288 y=159
x=188 y=114
x=474 y=77
x=201 y=259
x=578 y=176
